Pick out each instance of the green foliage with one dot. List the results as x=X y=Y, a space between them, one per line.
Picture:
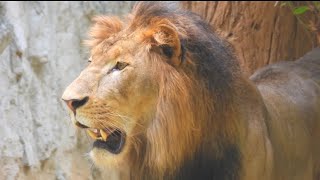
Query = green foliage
x=307 y=14
x=300 y=10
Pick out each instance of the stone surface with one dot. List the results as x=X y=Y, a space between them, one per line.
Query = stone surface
x=40 y=54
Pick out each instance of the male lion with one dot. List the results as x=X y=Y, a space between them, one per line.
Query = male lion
x=164 y=98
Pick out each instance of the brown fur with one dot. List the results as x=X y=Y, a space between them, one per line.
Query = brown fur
x=187 y=110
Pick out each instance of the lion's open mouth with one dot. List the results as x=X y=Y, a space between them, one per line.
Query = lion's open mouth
x=109 y=139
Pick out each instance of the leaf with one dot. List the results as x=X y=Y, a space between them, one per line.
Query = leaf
x=300 y=10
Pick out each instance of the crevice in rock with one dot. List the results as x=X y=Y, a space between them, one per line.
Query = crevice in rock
x=37 y=63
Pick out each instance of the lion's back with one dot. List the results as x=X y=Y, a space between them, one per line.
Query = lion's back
x=291 y=92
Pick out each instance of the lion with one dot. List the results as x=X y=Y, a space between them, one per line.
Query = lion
x=163 y=97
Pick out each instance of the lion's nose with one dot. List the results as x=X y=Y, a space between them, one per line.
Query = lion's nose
x=73 y=104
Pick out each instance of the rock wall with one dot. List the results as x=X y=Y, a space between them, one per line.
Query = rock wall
x=40 y=54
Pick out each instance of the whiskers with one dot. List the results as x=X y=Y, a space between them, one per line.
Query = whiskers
x=119 y=121
x=127 y=119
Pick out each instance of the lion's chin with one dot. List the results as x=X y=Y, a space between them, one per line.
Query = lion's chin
x=104 y=159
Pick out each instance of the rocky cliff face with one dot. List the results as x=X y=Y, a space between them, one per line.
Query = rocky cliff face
x=40 y=54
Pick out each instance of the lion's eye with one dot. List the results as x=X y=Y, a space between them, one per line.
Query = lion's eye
x=120 y=66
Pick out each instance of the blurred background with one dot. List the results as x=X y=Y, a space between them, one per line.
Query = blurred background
x=41 y=52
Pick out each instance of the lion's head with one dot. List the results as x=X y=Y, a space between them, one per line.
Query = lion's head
x=146 y=96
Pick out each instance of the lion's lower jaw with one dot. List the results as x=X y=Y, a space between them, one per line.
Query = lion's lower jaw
x=106 y=160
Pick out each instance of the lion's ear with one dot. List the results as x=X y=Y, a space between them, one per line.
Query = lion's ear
x=104 y=27
x=163 y=37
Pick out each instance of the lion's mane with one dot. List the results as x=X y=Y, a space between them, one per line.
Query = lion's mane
x=209 y=121
x=193 y=128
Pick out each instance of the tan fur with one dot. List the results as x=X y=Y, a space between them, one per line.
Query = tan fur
x=173 y=113
x=104 y=27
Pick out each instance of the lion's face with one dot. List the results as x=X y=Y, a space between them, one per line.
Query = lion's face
x=115 y=92
x=115 y=98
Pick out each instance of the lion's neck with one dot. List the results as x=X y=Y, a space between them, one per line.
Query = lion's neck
x=211 y=154
x=204 y=165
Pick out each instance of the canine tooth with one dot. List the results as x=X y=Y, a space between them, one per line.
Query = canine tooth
x=92 y=134
x=104 y=135
x=95 y=131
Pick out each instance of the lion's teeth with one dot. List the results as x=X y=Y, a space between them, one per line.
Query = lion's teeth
x=98 y=134
x=104 y=135
x=95 y=131
x=93 y=135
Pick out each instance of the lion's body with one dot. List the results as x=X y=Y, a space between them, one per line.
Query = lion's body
x=186 y=109
x=291 y=93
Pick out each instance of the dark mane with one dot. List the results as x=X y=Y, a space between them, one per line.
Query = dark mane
x=214 y=59
x=216 y=66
